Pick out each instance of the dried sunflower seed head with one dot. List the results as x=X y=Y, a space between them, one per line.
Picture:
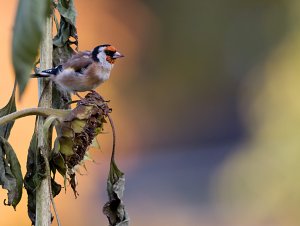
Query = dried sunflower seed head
x=78 y=130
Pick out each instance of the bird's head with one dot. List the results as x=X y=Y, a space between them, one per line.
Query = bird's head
x=107 y=53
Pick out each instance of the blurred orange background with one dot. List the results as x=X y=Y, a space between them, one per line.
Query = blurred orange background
x=206 y=109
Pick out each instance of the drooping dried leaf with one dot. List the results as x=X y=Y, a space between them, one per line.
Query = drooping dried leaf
x=67 y=9
x=66 y=31
x=55 y=187
x=67 y=28
x=114 y=209
x=7 y=180
x=10 y=107
x=58 y=163
x=73 y=183
x=11 y=177
x=32 y=179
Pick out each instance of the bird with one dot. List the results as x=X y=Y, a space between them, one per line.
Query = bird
x=84 y=71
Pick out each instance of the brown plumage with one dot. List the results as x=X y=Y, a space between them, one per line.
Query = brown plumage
x=79 y=60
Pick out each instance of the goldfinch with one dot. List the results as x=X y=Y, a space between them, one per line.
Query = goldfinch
x=85 y=70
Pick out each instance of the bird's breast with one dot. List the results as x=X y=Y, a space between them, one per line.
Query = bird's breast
x=99 y=72
x=89 y=79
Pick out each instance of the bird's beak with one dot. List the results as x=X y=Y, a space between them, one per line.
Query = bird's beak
x=117 y=55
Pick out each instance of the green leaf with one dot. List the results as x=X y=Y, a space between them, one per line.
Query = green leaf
x=11 y=177
x=9 y=108
x=28 y=30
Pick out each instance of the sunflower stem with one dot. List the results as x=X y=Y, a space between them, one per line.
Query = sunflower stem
x=43 y=192
x=33 y=111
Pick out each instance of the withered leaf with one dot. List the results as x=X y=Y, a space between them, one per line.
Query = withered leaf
x=55 y=187
x=11 y=177
x=31 y=180
x=114 y=209
x=58 y=163
x=66 y=9
x=10 y=107
x=67 y=26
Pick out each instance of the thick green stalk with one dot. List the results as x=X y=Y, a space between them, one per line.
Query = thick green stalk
x=33 y=111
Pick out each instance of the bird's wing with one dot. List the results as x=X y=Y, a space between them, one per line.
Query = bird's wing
x=79 y=61
x=51 y=71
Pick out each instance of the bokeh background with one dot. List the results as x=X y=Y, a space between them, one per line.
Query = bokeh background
x=206 y=105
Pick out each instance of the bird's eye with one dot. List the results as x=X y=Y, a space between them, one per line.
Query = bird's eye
x=109 y=52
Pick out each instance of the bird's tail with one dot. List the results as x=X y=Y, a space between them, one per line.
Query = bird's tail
x=47 y=73
x=40 y=75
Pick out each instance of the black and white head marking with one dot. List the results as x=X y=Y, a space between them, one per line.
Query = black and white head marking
x=98 y=50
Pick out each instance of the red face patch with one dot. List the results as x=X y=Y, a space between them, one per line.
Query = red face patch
x=110 y=59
